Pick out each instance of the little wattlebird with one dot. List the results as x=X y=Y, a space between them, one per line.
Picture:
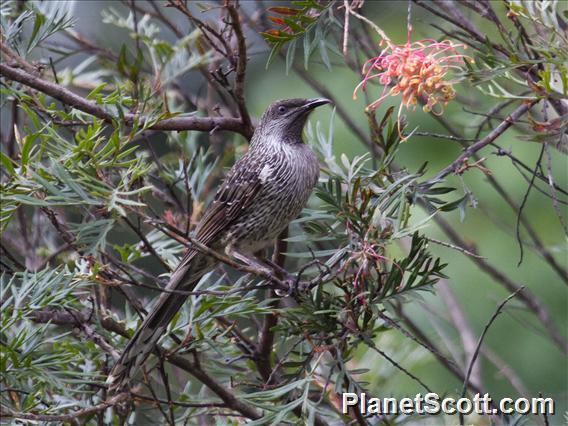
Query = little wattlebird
x=262 y=193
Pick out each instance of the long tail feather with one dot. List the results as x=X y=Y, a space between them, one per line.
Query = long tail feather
x=186 y=276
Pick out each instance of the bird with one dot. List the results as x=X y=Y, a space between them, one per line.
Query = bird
x=260 y=195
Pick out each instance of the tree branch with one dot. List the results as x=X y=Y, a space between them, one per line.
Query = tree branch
x=68 y=418
x=62 y=94
x=494 y=134
x=480 y=341
x=462 y=325
x=231 y=401
x=241 y=66
x=266 y=337
x=530 y=300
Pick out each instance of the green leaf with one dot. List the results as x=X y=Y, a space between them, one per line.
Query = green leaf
x=453 y=205
x=27 y=147
x=93 y=93
x=324 y=55
x=298 y=29
x=275 y=38
x=7 y=162
x=38 y=23
x=290 y=55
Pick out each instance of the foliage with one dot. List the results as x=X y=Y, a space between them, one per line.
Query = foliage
x=99 y=203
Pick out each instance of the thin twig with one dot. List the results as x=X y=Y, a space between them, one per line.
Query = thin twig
x=454 y=247
x=241 y=66
x=552 y=186
x=472 y=149
x=480 y=341
x=266 y=337
x=522 y=206
x=441 y=136
x=377 y=29
x=462 y=325
x=147 y=245
x=372 y=345
x=532 y=302
x=71 y=417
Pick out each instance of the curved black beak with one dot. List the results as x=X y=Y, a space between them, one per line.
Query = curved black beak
x=314 y=103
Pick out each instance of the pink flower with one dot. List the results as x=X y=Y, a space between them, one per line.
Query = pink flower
x=416 y=70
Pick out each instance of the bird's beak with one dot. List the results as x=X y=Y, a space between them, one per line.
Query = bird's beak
x=314 y=103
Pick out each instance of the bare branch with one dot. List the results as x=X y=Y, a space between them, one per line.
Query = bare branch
x=462 y=325
x=530 y=300
x=480 y=341
x=230 y=400
x=69 y=418
x=62 y=94
x=472 y=149
x=241 y=66
x=266 y=338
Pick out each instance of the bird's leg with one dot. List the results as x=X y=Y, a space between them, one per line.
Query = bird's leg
x=290 y=280
x=256 y=263
x=248 y=260
x=277 y=267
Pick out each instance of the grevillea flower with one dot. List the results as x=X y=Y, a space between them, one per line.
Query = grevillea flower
x=416 y=70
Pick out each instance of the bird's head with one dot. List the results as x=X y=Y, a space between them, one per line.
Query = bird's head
x=285 y=119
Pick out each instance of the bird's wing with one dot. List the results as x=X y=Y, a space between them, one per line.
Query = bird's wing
x=235 y=195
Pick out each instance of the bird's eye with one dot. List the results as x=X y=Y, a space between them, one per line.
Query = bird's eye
x=281 y=109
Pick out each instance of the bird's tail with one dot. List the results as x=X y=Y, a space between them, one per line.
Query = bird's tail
x=184 y=278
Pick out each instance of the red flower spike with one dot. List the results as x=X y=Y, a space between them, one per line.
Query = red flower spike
x=273 y=32
x=277 y=20
x=284 y=10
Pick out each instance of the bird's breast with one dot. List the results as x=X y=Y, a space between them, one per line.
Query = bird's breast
x=288 y=176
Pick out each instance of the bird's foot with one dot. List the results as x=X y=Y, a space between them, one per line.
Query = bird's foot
x=294 y=286
x=277 y=268
x=290 y=284
x=288 y=280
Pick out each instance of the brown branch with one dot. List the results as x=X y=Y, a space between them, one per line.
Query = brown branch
x=462 y=325
x=226 y=395
x=266 y=337
x=162 y=17
x=230 y=400
x=59 y=317
x=538 y=244
x=67 y=97
x=480 y=341
x=79 y=319
x=87 y=44
x=12 y=55
x=241 y=66
x=68 y=418
x=529 y=299
x=494 y=134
